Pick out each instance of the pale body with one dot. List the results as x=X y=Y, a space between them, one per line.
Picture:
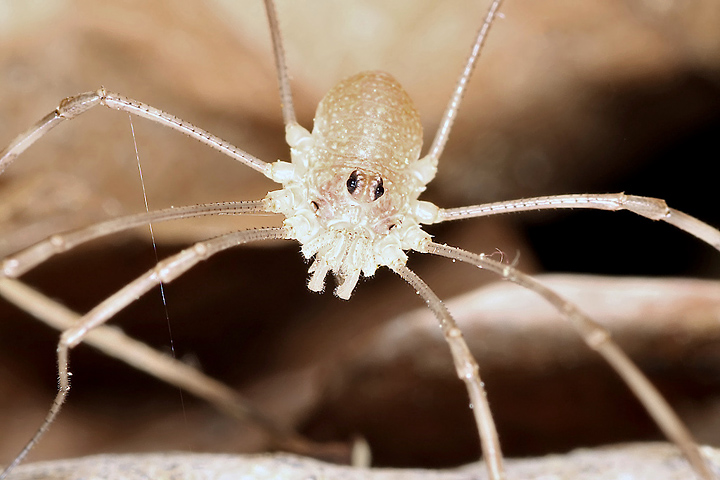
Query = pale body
x=350 y=196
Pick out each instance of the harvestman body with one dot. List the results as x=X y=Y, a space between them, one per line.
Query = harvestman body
x=350 y=196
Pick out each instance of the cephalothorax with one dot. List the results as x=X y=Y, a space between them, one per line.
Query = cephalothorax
x=350 y=197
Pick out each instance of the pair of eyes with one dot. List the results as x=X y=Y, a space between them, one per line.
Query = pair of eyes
x=363 y=187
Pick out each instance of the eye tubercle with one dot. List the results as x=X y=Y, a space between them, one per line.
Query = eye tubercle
x=365 y=187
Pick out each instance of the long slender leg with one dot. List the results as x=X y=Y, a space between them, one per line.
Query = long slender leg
x=28 y=258
x=467 y=370
x=71 y=107
x=297 y=137
x=597 y=338
x=652 y=208
x=165 y=272
x=451 y=110
x=114 y=343
x=286 y=99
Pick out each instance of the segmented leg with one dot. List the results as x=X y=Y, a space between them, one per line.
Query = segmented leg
x=27 y=259
x=448 y=118
x=74 y=106
x=164 y=272
x=115 y=343
x=652 y=208
x=597 y=338
x=286 y=99
x=467 y=370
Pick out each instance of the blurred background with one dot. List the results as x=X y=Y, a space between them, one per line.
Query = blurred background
x=569 y=97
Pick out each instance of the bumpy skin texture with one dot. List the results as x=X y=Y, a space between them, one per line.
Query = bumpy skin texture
x=368 y=118
x=351 y=197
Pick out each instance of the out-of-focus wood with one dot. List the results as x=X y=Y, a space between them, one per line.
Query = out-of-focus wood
x=656 y=461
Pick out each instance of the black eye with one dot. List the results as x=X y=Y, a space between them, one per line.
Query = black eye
x=352 y=182
x=315 y=206
x=379 y=189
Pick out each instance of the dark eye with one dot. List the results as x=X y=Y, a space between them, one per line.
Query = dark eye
x=364 y=186
x=352 y=182
x=379 y=189
x=315 y=206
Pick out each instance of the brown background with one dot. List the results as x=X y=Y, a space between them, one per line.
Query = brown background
x=569 y=97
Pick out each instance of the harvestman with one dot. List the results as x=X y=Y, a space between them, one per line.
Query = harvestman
x=350 y=198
